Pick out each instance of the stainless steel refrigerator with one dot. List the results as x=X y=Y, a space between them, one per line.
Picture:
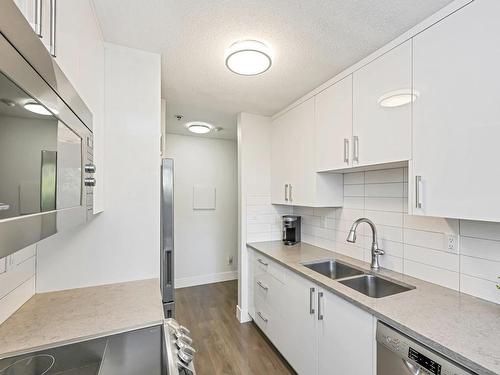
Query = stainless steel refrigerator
x=167 y=237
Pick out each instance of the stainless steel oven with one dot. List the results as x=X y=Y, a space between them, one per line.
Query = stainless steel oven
x=398 y=354
x=46 y=142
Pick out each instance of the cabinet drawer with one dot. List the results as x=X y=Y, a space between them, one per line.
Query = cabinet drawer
x=270 y=291
x=263 y=265
x=263 y=317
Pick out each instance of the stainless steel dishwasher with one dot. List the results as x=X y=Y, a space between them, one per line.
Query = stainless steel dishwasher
x=397 y=354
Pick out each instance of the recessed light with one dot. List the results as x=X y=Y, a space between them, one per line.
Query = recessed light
x=37 y=108
x=398 y=98
x=248 y=57
x=199 y=127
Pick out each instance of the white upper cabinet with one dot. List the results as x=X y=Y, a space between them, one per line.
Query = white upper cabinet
x=280 y=172
x=381 y=131
x=333 y=126
x=456 y=123
x=294 y=180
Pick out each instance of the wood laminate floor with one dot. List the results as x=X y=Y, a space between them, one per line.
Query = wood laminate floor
x=224 y=345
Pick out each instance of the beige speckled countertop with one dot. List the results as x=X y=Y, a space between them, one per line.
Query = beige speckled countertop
x=462 y=327
x=49 y=319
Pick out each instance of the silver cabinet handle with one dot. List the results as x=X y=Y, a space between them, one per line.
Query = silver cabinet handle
x=262 y=262
x=53 y=19
x=38 y=17
x=418 y=200
x=291 y=196
x=4 y=206
x=266 y=288
x=356 y=148
x=346 y=150
x=286 y=192
x=320 y=314
x=311 y=303
x=262 y=317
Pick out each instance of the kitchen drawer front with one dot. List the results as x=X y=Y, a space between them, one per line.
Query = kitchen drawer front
x=270 y=322
x=263 y=265
x=270 y=291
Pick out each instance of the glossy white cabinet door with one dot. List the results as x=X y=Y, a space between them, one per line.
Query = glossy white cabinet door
x=384 y=133
x=345 y=338
x=299 y=345
x=28 y=9
x=280 y=164
x=333 y=126
x=456 y=129
x=301 y=154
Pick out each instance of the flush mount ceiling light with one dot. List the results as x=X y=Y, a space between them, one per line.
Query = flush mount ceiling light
x=37 y=108
x=398 y=98
x=248 y=58
x=199 y=127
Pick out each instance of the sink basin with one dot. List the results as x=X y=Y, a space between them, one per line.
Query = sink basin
x=333 y=269
x=374 y=286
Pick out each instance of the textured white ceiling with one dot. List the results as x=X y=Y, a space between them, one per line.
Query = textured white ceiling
x=312 y=40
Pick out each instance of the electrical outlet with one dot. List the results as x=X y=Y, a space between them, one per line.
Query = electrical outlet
x=451 y=243
x=230 y=260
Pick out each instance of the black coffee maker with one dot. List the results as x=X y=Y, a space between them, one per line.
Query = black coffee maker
x=291 y=229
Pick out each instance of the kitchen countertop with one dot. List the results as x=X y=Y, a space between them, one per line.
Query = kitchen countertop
x=462 y=327
x=55 y=318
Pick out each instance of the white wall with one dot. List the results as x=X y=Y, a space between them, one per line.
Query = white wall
x=204 y=239
x=414 y=245
x=123 y=242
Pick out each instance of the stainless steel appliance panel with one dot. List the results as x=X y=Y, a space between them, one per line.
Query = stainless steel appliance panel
x=398 y=354
x=167 y=235
x=20 y=230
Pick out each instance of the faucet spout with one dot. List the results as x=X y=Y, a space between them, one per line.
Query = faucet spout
x=376 y=252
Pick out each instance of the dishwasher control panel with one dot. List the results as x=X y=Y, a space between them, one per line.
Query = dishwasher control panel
x=400 y=351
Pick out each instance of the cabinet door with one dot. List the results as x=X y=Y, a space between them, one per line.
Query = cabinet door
x=301 y=154
x=345 y=338
x=28 y=9
x=333 y=126
x=280 y=171
x=299 y=344
x=383 y=132
x=457 y=116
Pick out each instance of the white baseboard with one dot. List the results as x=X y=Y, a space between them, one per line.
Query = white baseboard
x=242 y=316
x=205 y=279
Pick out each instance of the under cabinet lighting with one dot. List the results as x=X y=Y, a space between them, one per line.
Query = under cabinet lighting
x=37 y=108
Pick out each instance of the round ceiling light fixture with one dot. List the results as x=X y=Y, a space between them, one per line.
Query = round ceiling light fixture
x=199 y=127
x=398 y=98
x=37 y=108
x=248 y=58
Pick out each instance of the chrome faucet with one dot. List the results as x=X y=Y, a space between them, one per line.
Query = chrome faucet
x=375 y=265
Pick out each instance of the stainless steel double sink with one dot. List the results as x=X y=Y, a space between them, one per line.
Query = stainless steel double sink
x=366 y=283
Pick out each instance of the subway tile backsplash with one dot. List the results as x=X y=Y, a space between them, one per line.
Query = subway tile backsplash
x=414 y=245
x=17 y=280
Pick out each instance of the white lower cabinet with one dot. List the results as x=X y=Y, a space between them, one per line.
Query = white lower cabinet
x=345 y=337
x=315 y=330
x=300 y=344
